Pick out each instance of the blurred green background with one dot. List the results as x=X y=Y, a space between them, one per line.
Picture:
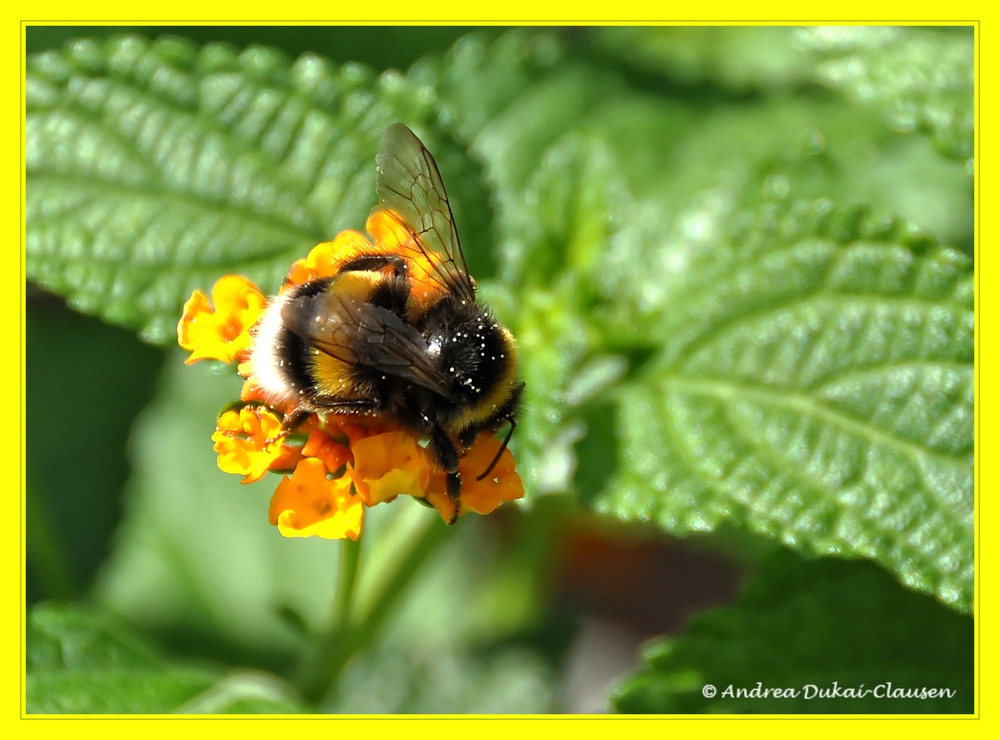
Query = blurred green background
x=738 y=262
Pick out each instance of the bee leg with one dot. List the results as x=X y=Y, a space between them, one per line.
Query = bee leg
x=294 y=420
x=346 y=405
x=444 y=450
x=289 y=424
x=454 y=494
x=467 y=437
x=336 y=405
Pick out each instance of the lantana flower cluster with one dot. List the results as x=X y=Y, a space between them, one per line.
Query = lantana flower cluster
x=332 y=465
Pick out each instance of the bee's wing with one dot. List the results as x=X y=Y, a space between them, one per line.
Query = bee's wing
x=364 y=335
x=410 y=190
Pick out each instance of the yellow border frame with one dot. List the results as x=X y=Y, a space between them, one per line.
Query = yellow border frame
x=451 y=13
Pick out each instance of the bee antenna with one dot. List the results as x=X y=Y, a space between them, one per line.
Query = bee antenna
x=503 y=447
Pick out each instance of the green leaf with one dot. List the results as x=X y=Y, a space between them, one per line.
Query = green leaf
x=739 y=60
x=922 y=79
x=481 y=75
x=81 y=662
x=815 y=387
x=380 y=47
x=817 y=624
x=711 y=161
x=812 y=146
x=154 y=168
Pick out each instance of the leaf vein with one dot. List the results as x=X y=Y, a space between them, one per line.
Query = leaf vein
x=727 y=390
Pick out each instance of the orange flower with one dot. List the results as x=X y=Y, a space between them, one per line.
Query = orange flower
x=388 y=230
x=392 y=236
x=308 y=504
x=380 y=461
x=323 y=447
x=290 y=456
x=241 y=439
x=388 y=465
x=324 y=259
x=393 y=463
x=221 y=333
x=379 y=464
x=481 y=496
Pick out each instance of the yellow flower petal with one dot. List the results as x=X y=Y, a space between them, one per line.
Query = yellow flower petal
x=388 y=229
x=309 y=505
x=325 y=259
x=392 y=236
x=221 y=333
x=388 y=465
x=241 y=441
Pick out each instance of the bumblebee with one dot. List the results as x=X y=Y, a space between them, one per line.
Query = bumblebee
x=396 y=334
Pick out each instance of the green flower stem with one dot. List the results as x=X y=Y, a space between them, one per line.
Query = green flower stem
x=315 y=676
x=350 y=556
x=348 y=634
x=435 y=533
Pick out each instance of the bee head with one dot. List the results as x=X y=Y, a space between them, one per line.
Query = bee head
x=478 y=356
